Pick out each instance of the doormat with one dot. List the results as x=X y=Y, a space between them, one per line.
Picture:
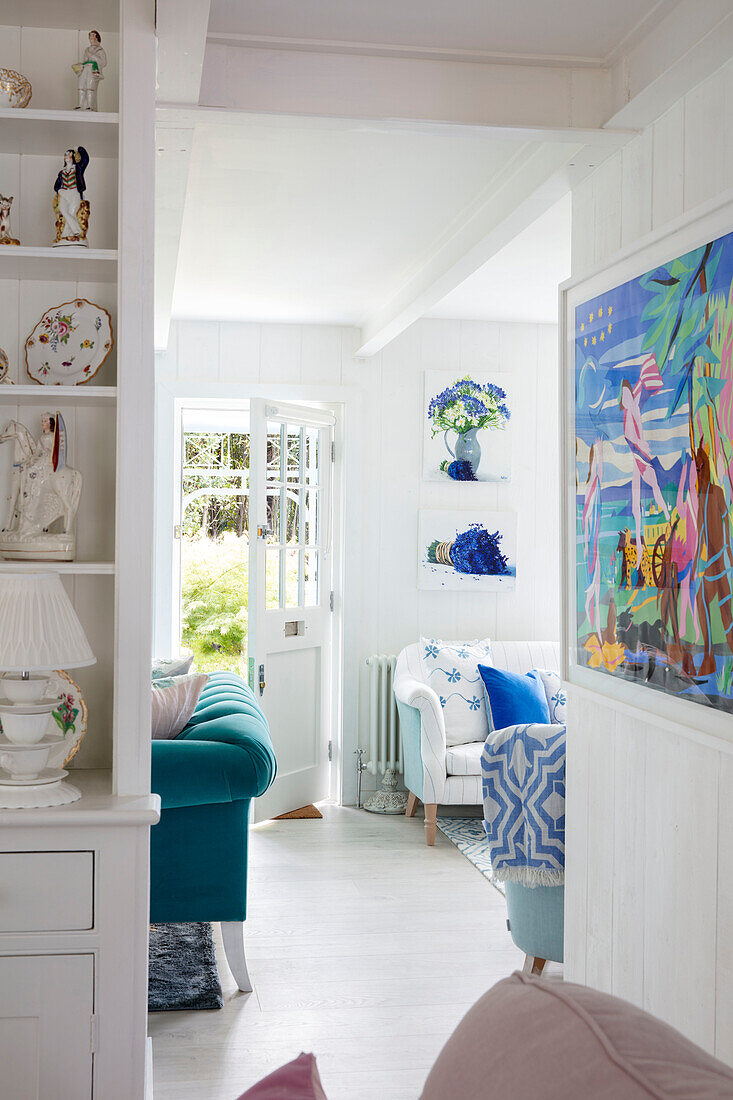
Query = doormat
x=182 y=973
x=467 y=833
x=304 y=811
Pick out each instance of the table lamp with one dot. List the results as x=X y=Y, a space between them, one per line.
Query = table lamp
x=39 y=633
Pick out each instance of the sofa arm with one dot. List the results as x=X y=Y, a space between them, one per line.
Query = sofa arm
x=220 y=759
x=423 y=737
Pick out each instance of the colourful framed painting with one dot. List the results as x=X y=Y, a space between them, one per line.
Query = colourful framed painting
x=649 y=511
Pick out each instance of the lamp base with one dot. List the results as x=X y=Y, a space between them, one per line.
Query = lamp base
x=30 y=797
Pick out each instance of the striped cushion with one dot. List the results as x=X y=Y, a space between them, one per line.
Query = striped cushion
x=464 y=759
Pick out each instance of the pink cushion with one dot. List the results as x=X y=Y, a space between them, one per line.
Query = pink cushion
x=174 y=701
x=298 y=1080
x=531 y=1037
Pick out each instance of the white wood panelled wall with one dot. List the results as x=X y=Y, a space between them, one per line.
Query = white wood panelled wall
x=381 y=520
x=649 y=895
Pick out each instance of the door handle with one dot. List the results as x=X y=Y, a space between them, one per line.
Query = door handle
x=263 y=531
x=262 y=680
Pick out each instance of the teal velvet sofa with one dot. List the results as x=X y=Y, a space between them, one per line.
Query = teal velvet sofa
x=206 y=779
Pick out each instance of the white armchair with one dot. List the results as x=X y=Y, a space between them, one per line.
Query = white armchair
x=437 y=773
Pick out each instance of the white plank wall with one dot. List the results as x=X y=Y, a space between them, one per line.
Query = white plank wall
x=649 y=895
x=383 y=522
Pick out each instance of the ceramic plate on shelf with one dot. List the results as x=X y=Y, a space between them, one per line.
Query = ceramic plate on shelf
x=15 y=89
x=70 y=718
x=69 y=344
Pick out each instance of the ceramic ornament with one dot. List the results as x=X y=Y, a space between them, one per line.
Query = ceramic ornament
x=44 y=494
x=69 y=344
x=69 y=205
x=89 y=72
x=15 y=89
x=4 y=366
x=6 y=235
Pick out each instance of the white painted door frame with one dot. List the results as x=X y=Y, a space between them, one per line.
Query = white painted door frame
x=171 y=398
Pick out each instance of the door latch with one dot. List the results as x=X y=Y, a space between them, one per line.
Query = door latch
x=263 y=531
x=177 y=531
x=262 y=680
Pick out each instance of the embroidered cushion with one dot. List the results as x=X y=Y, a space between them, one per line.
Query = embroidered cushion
x=513 y=700
x=451 y=670
x=298 y=1080
x=556 y=698
x=171 y=666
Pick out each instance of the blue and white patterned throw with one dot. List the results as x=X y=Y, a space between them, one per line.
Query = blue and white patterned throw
x=523 y=770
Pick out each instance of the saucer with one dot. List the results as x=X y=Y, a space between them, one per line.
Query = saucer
x=48 y=775
x=46 y=742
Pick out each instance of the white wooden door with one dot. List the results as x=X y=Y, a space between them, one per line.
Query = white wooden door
x=290 y=595
x=46 y=1007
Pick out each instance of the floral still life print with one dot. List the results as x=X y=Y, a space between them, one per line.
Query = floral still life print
x=467 y=550
x=653 y=381
x=467 y=427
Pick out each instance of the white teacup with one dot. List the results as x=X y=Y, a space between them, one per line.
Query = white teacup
x=26 y=725
x=25 y=763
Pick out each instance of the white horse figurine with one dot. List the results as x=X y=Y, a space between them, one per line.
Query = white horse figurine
x=44 y=493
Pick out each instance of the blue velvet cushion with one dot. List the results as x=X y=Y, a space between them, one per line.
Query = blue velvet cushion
x=511 y=699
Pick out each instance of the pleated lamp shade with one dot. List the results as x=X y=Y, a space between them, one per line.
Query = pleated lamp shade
x=39 y=629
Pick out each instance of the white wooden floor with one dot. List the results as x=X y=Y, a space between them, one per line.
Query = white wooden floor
x=364 y=946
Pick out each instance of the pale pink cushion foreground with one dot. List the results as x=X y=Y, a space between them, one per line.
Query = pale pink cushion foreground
x=298 y=1080
x=533 y=1039
x=174 y=704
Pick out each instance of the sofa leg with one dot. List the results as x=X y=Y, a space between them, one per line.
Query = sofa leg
x=533 y=964
x=412 y=801
x=232 y=933
x=431 y=812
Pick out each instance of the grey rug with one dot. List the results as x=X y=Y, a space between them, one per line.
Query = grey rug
x=182 y=968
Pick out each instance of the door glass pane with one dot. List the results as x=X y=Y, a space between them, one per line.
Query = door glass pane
x=273 y=517
x=292 y=560
x=292 y=526
x=293 y=453
x=273 y=452
x=311 y=455
x=310 y=578
x=272 y=579
x=310 y=507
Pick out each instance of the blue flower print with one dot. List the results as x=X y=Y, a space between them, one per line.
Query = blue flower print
x=559 y=698
x=443 y=701
x=431 y=650
x=462 y=654
x=474 y=704
x=454 y=676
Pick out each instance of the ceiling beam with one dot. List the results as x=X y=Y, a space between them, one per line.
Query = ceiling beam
x=298 y=82
x=181 y=27
x=537 y=180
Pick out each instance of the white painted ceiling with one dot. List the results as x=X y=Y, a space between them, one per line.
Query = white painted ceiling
x=520 y=282
x=321 y=221
x=588 y=30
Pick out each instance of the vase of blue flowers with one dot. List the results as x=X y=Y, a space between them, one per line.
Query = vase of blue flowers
x=466 y=408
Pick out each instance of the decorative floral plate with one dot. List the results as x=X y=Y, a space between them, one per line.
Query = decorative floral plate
x=70 y=717
x=15 y=89
x=69 y=344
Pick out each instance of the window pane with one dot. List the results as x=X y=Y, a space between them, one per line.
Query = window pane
x=272 y=579
x=292 y=515
x=310 y=579
x=273 y=452
x=292 y=560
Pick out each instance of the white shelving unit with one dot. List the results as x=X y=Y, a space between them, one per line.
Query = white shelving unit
x=101 y=960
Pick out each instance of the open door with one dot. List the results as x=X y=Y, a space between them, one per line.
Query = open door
x=290 y=595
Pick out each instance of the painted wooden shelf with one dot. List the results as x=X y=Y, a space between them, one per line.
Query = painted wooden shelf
x=98 y=265
x=71 y=568
x=57 y=395
x=48 y=133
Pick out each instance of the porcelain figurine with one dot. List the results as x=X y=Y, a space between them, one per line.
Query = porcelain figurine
x=89 y=72
x=6 y=236
x=44 y=494
x=15 y=89
x=70 y=206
